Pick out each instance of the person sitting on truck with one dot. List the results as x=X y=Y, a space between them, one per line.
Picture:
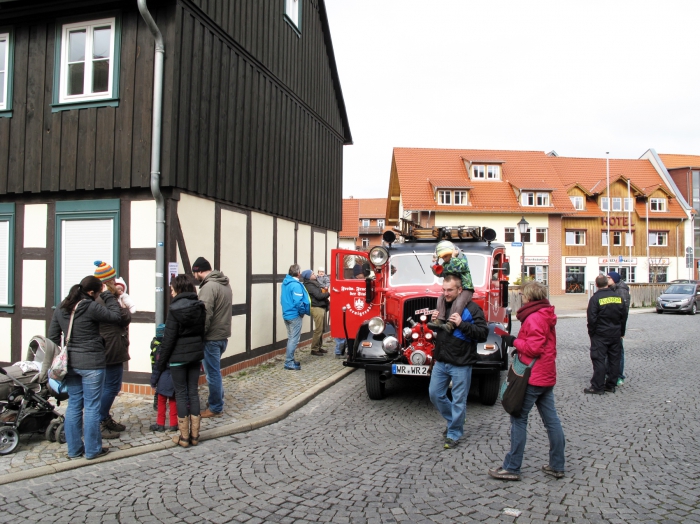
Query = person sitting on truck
x=453 y=263
x=455 y=354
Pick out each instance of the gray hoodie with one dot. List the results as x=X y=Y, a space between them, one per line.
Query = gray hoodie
x=217 y=296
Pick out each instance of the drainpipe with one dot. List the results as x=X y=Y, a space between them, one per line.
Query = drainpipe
x=155 y=160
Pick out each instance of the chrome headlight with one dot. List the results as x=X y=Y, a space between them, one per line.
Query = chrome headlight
x=378 y=256
x=390 y=345
x=418 y=358
x=407 y=332
x=376 y=325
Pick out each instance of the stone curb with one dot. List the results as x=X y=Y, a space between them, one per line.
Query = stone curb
x=273 y=416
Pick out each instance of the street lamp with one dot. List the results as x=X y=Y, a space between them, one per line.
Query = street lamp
x=522 y=226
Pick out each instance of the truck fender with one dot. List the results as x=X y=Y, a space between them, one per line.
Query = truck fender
x=501 y=353
x=365 y=335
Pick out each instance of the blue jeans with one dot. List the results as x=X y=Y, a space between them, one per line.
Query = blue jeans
x=453 y=412
x=213 y=349
x=293 y=334
x=543 y=398
x=339 y=346
x=83 y=429
x=110 y=389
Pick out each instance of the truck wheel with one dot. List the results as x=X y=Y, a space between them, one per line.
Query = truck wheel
x=375 y=387
x=488 y=388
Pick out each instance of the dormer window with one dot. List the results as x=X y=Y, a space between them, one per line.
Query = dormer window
x=444 y=197
x=460 y=198
x=577 y=201
x=486 y=172
x=479 y=171
x=657 y=204
x=532 y=198
x=493 y=172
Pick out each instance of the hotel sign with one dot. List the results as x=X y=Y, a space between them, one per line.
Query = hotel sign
x=615 y=261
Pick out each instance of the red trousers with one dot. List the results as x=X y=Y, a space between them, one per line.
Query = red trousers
x=160 y=418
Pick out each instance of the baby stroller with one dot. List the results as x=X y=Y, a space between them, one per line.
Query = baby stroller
x=24 y=398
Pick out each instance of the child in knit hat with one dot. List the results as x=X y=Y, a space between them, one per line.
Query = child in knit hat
x=124 y=299
x=448 y=260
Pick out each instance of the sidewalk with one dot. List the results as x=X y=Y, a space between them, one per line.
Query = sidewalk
x=575 y=305
x=254 y=397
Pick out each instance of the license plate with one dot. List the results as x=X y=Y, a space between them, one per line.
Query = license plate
x=405 y=369
x=670 y=305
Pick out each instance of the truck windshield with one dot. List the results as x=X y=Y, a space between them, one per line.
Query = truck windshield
x=406 y=271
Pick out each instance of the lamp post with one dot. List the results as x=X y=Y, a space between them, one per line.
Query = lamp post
x=522 y=226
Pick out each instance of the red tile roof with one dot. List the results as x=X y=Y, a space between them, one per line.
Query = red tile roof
x=351 y=218
x=372 y=207
x=676 y=161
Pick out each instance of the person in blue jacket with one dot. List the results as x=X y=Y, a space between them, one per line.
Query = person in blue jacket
x=295 y=304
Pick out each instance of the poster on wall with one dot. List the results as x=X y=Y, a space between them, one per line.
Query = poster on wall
x=172 y=271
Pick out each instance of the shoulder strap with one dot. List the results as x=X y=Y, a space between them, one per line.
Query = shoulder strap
x=70 y=324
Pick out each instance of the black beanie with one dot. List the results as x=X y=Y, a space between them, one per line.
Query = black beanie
x=201 y=264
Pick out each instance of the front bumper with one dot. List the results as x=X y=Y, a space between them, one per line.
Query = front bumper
x=480 y=368
x=664 y=306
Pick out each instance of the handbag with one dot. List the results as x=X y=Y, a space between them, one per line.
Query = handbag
x=59 y=366
x=512 y=392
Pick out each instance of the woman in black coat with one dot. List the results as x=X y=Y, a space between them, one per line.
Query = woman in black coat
x=182 y=350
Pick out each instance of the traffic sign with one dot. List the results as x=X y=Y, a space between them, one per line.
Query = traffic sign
x=620 y=259
x=516 y=244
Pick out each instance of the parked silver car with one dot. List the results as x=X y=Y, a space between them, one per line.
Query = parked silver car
x=681 y=298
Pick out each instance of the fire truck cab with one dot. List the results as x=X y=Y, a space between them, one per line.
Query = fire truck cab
x=381 y=303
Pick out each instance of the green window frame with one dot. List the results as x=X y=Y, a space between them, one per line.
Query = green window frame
x=292 y=14
x=83 y=210
x=7 y=222
x=111 y=98
x=7 y=70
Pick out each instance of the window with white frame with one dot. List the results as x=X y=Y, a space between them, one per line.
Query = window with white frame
x=478 y=171
x=542 y=199
x=292 y=10
x=509 y=234
x=576 y=237
x=617 y=238
x=525 y=237
x=365 y=222
x=527 y=198
x=629 y=204
x=7 y=216
x=605 y=204
x=380 y=223
x=87 y=61
x=629 y=239
x=541 y=235
x=658 y=238
x=5 y=72
x=365 y=242
x=617 y=204
x=445 y=197
x=577 y=201
x=460 y=198
x=604 y=240
x=493 y=172
x=657 y=204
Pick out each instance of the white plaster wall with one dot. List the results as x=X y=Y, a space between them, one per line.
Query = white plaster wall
x=234 y=260
x=261 y=315
x=280 y=327
x=306 y=324
x=31 y=328
x=140 y=336
x=261 y=243
x=34 y=283
x=346 y=243
x=285 y=245
x=180 y=265
x=197 y=221
x=6 y=339
x=331 y=243
x=304 y=247
x=142 y=284
x=35 y=225
x=143 y=223
x=236 y=344
x=319 y=251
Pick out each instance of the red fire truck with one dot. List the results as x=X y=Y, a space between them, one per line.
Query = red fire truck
x=381 y=303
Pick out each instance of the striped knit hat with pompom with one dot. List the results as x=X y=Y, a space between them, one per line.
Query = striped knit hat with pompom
x=104 y=271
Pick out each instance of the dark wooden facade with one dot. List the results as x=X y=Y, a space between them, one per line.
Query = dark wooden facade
x=252 y=115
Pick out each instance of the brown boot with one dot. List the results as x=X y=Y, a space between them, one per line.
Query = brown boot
x=195 y=421
x=183 y=438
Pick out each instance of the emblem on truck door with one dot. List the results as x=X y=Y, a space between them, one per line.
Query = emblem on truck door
x=359 y=304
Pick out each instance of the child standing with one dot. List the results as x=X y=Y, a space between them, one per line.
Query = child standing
x=162 y=382
x=450 y=261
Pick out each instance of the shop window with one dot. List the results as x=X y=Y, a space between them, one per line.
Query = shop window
x=657 y=204
x=538 y=273
x=577 y=201
x=627 y=273
x=541 y=235
x=509 y=234
x=658 y=238
x=575 y=238
x=575 y=279
x=86 y=231
x=7 y=249
x=657 y=274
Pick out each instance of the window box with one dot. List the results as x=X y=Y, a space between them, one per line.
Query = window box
x=7 y=259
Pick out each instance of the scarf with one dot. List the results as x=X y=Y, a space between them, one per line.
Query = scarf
x=529 y=308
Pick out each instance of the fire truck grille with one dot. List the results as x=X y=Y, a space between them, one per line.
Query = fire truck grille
x=414 y=304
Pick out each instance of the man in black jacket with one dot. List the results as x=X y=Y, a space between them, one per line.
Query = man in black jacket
x=607 y=321
x=455 y=354
x=319 y=306
x=619 y=286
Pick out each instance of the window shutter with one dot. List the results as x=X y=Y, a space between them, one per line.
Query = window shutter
x=4 y=261
x=83 y=242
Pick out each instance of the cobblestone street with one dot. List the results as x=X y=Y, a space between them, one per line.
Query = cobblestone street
x=631 y=456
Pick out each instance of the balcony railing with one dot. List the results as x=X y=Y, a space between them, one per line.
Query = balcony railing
x=371 y=230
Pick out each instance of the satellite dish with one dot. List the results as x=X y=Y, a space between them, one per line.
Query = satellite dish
x=389 y=237
x=489 y=234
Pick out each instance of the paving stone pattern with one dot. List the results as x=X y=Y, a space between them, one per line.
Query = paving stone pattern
x=248 y=394
x=631 y=456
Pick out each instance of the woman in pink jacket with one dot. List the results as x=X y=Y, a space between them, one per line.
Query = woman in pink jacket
x=537 y=339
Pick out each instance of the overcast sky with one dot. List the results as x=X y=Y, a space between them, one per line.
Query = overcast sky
x=580 y=78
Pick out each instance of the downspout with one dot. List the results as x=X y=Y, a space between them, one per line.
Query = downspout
x=155 y=159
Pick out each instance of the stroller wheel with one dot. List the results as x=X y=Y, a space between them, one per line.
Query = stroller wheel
x=50 y=433
x=9 y=440
x=60 y=434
